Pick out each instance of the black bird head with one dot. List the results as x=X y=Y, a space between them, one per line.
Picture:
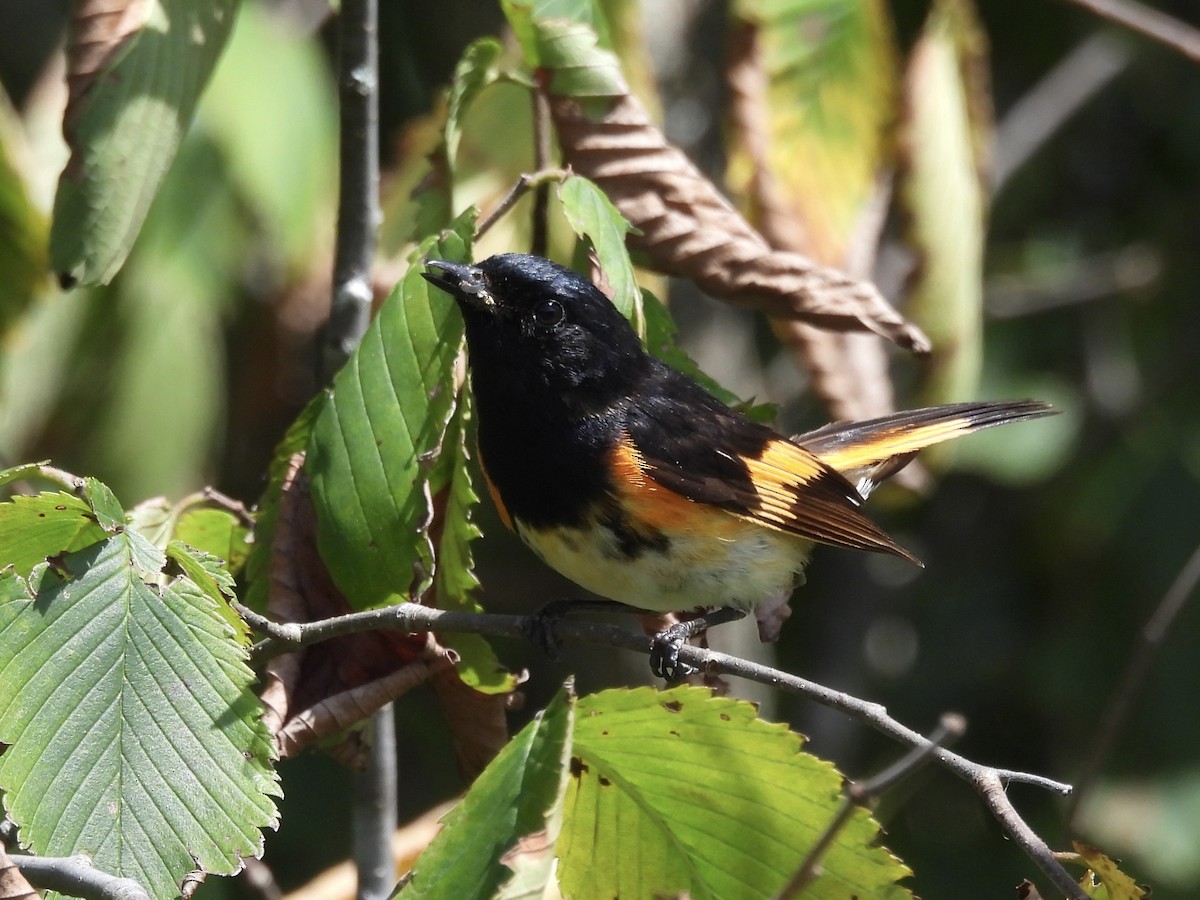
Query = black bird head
x=541 y=332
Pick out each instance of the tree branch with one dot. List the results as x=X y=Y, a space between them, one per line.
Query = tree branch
x=862 y=793
x=1153 y=635
x=358 y=196
x=78 y=877
x=526 y=182
x=988 y=781
x=1148 y=22
x=1042 y=111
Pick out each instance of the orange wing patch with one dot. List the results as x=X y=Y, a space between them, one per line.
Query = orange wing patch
x=648 y=502
x=780 y=476
x=799 y=492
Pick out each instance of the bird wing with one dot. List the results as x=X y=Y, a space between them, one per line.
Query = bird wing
x=690 y=443
x=869 y=451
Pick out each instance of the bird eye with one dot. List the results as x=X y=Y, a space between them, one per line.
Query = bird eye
x=547 y=313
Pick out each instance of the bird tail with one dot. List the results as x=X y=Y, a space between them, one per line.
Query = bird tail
x=873 y=450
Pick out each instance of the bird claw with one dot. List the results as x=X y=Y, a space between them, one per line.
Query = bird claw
x=664 y=654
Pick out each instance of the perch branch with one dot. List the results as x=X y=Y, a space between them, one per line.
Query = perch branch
x=988 y=781
x=1158 y=26
x=78 y=877
x=861 y=793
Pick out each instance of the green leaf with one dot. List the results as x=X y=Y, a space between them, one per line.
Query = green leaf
x=271 y=99
x=109 y=513
x=134 y=733
x=526 y=16
x=475 y=70
x=667 y=793
x=217 y=532
x=562 y=39
x=593 y=218
x=947 y=124
x=209 y=573
x=33 y=528
x=125 y=131
x=830 y=99
x=23 y=228
x=519 y=794
x=377 y=436
x=681 y=792
x=660 y=340
x=454 y=578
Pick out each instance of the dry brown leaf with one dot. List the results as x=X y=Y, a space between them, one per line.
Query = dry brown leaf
x=689 y=229
x=95 y=34
x=478 y=722
x=334 y=713
x=319 y=690
x=13 y=885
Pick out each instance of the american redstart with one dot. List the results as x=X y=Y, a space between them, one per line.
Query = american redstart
x=636 y=483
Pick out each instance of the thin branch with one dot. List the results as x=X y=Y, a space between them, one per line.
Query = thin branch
x=1153 y=635
x=411 y=617
x=358 y=198
x=951 y=727
x=540 y=233
x=375 y=815
x=524 y=184
x=1048 y=105
x=1158 y=26
x=78 y=877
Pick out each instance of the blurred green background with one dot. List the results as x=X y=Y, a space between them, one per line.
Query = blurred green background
x=1047 y=548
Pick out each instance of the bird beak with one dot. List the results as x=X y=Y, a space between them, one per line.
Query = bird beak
x=460 y=281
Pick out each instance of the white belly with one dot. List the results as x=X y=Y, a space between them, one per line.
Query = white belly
x=744 y=566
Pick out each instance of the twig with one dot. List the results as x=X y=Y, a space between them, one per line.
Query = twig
x=861 y=793
x=1050 y=103
x=349 y=315
x=524 y=183
x=375 y=815
x=540 y=232
x=1153 y=635
x=411 y=617
x=358 y=198
x=78 y=877
x=1158 y=26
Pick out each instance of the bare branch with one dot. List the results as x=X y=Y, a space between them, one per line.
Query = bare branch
x=1151 y=640
x=358 y=199
x=78 y=877
x=988 y=781
x=375 y=812
x=1158 y=26
x=862 y=793
x=526 y=182
x=1043 y=110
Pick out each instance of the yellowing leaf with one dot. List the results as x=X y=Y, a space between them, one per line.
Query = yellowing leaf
x=947 y=124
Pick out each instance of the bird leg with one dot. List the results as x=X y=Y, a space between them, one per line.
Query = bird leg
x=665 y=646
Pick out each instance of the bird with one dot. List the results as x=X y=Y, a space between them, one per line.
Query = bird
x=638 y=484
